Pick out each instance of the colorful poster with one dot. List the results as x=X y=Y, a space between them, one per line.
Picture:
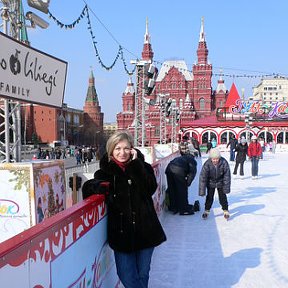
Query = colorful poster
x=49 y=181
x=15 y=200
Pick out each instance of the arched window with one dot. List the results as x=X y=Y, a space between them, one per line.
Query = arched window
x=194 y=135
x=246 y=134
x=267 y=136
x=280 y=137
x=207 y=136
x=202 y=104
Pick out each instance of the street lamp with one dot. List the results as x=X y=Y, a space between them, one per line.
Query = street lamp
x=35 y=20
x=41 y=5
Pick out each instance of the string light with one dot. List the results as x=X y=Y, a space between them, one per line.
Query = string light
x=120 y=53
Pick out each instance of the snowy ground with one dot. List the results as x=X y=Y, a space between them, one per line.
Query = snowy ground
x=249 y=250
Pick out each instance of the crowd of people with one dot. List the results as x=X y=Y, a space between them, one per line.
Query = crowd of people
x=81 y=154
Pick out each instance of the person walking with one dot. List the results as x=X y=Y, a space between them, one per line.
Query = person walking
x=184 y=145
x=241 y=150
x=196 y=145
x=134 y=229
x=215 y=173
x=262 y=144
x=209 y=146
x=180 y=173
x=232 y=143
x=254 y=153
x=78 y=157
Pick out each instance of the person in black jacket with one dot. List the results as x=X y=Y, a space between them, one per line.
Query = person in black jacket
x=133 y=225
x=232 y=143
x=241 y=150
x=215 y=173
x=196 y=145
x=209 y=146
x=180 y=173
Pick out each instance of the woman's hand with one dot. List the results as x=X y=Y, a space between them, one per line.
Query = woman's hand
x=133 y=154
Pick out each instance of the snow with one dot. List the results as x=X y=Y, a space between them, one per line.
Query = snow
x=249 y=250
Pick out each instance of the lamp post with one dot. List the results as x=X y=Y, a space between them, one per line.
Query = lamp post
x=162 y=107
x=242 y=91
x=145 y=71
x=248 y=125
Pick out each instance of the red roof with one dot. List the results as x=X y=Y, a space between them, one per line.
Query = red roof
x=232 y=97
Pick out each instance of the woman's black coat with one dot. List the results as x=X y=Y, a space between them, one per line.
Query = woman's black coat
x=132 y=220
x=241 y=152
x=215 y=176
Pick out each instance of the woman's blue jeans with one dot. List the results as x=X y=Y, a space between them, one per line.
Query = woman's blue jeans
x=133 y=268
x=255 y=162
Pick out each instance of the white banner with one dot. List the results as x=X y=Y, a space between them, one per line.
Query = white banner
x=29 y=75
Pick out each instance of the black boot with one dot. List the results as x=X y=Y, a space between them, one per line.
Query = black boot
x=188 y=211
x=196 y=206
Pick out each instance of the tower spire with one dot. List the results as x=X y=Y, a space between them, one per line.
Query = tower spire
x=147 y=52
x=202 y=51
x=202 y=34
x=91 y=95
x=146 y=36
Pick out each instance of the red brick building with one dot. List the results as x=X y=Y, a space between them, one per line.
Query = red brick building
x=45 y=124
x=190 y=92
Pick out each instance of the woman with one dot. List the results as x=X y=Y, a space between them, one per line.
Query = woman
x=133 y=226
x=254 y=153
x=215 y=174
x=241 y=150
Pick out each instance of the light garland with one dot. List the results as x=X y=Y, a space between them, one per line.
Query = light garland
x=120 y=53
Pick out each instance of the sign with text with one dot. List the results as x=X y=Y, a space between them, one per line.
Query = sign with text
x=29 y=75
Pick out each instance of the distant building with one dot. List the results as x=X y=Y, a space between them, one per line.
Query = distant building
x=184 y=103
x=271 y=90
x=43 y=124
x=93 y=117
x=109 y=129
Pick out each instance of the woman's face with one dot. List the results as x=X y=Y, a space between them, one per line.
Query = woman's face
x=122 y=151
x=215 y=161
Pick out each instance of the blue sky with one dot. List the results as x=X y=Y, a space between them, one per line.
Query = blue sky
x=243 y=37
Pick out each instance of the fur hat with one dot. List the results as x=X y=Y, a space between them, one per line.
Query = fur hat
x=214 y=153
x=253 y=137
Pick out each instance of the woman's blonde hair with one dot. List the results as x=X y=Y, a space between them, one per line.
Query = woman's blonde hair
x=117 y=137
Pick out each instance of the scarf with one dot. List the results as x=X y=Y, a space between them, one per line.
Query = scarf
x=122 y=165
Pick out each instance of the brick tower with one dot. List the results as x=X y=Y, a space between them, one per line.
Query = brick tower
x=93 y=117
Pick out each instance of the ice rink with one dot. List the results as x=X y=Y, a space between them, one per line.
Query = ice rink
x=249 y=250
